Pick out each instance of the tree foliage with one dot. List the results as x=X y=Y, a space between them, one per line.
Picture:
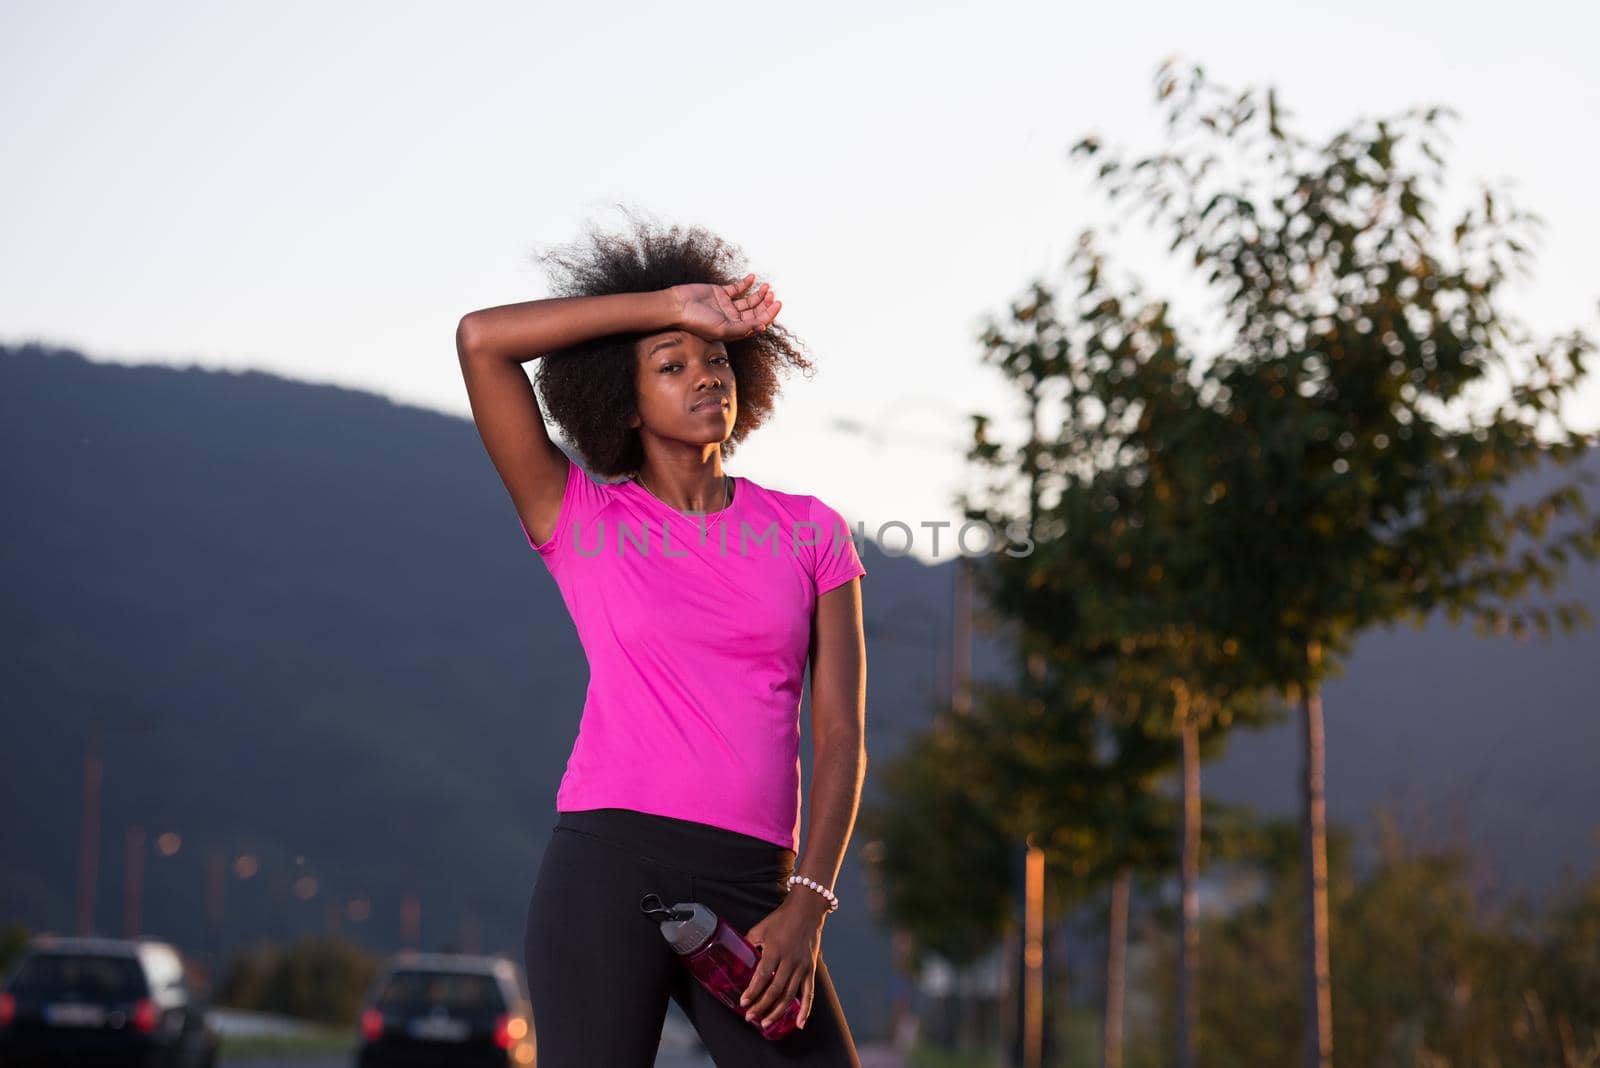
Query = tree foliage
x=1363 y=480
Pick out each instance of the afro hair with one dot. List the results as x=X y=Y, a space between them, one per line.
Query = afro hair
x=589 y=388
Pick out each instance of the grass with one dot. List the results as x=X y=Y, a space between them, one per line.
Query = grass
x=322 y=1040
x=1081 y=1050
x=928 y=1056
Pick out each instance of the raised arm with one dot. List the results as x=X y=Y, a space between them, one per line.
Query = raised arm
x=493 y=344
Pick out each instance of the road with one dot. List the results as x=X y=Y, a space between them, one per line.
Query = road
x=871 y=1057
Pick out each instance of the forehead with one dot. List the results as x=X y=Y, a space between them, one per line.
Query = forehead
x=673 y=342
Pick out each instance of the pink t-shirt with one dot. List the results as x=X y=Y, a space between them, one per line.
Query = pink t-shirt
x=697 y=629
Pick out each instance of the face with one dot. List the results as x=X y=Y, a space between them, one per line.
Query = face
x=685 y=388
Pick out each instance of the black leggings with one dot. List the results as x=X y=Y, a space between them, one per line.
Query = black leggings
x=599 y=972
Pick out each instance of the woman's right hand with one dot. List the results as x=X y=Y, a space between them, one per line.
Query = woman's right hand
x=719 y=313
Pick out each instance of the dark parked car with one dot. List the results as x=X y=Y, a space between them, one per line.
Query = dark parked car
x=94 y=1001
x=447 y=1009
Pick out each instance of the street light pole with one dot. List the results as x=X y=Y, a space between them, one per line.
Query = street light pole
x=133 y=882
x=89 y=821
x=89 y=834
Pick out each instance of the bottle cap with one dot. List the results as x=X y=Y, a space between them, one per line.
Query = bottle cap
x=687 y=926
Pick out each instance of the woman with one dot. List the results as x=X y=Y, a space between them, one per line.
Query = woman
x=699 y=598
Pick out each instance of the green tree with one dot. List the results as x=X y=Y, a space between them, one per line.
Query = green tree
x=1082 y=776
x=1554 y=1010
x=1360 y=486
x=940 y=861
x=14 y=939
x=943 y=869
x=1113 y=597
x=320 y=979
x=1428 y=974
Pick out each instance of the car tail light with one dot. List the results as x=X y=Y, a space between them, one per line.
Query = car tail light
x=509 y=1030
x=372 y=1025
x=8 y=1009
x=145 y=1016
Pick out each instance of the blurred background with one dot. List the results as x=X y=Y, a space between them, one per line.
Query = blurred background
x=1272 y=328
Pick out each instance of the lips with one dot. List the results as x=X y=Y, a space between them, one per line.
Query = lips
x=718 y=401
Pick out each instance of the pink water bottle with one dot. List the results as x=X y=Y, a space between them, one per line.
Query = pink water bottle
x=720 y=957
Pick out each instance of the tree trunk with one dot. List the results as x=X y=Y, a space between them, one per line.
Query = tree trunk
x=1116 y=969
x=1189 y=865
x=1318 y=1002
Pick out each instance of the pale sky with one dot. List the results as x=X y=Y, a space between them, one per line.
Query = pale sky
x=322 y=190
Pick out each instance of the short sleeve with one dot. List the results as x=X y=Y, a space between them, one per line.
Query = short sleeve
x=581 y=503
x=836 y=558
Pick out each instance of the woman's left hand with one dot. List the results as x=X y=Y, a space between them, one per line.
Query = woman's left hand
x=724 y=312
x=790 y=937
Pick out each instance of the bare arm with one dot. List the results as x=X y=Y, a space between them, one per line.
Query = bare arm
x=493 y=343
x=838 y=733
x=793 y=931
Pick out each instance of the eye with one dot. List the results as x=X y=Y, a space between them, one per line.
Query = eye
x=719 y=359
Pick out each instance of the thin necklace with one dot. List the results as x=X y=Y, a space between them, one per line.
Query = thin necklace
x=726 y=496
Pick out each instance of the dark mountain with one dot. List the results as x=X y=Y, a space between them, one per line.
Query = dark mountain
x=309 y=629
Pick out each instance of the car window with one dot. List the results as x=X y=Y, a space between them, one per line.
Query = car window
x=83 y=975
x=421 y=991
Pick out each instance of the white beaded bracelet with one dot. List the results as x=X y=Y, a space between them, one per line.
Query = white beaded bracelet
x=833 y=902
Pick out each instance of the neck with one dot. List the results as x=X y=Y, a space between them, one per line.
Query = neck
x=705 y=489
